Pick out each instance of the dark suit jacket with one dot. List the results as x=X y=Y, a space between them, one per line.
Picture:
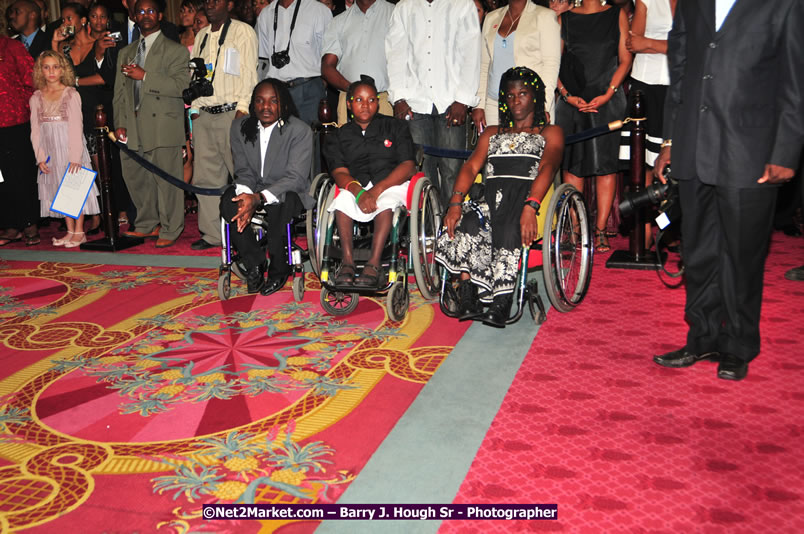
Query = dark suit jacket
x=735 y=97
x=167 y=28
x=41 y=42
x=161 y=111
x=288 y=160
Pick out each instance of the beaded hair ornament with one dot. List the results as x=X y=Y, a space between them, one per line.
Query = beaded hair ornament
x=529 y=79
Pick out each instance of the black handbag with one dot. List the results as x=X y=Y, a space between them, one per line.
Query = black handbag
x=571 y=71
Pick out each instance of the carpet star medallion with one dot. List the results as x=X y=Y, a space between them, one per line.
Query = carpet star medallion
x=144 y=376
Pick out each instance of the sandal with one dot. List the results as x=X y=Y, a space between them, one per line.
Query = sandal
x=601 y=241
x=73 y=244
x=346 y=274
x=8 y=238
x=60 y=241
x=369 y=280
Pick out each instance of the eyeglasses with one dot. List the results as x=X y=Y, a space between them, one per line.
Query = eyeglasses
x=149 y=11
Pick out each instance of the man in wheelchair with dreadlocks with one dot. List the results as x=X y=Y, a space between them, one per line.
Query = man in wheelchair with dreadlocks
x=272 y=151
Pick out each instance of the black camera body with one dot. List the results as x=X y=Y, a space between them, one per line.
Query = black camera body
x=659 y=194
x=199 y=85
x=280 y=59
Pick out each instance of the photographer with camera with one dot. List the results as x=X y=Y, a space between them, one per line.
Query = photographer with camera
x=734 y=121
x=291 y=46
x=228 y=49
x=151 y=74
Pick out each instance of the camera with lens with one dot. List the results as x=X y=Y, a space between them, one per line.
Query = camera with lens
x=199 y=85
x=280 y=59
x=663 y=195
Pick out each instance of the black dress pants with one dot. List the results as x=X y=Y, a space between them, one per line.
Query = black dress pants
x=277 y=216
x=725 y=236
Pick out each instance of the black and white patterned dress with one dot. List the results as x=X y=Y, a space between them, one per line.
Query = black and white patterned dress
x=487 y=239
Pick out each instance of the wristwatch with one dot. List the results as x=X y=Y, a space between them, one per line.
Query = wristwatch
x=533 y=204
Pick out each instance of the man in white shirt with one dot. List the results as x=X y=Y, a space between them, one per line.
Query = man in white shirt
x=354 y=44
x=433 y=54
x=291 y=34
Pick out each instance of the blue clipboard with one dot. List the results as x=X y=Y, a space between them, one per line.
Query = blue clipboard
x=83 y=194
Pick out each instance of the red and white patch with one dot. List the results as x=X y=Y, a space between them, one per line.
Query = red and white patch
x=388 y=143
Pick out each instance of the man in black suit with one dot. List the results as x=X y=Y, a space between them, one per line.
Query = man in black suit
x=272 y=153
x=735 y=120
x=25 y=19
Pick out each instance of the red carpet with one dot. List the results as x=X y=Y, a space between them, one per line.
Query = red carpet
x=624 y=445
x=130 y=397
x=181 y=248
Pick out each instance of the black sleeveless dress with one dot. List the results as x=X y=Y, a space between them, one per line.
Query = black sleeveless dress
x=488 y=238
x=594 y=40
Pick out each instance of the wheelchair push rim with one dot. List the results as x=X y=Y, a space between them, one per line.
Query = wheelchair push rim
x=567 y=249
x=425 y=223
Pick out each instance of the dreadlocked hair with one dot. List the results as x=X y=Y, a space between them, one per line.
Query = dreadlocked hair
x=286 y=109
x=532 y=81
x=366 y=80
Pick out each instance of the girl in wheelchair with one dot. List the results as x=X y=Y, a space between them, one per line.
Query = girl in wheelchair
x=483 y=240
x=371 y=159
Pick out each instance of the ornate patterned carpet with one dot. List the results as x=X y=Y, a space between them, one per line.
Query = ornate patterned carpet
x=130 y=397
x=624 y=445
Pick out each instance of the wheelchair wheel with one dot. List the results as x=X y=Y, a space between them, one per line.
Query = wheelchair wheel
x=567 y=249
x=396 y=302
x=425 y=222
x=337 y=303
x=239 y=270
x=319 y=189
x=298 y=288
x=225 y=285
x=321 y=227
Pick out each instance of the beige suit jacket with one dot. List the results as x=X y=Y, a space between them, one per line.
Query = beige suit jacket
x=161 y=111
x=537 y=45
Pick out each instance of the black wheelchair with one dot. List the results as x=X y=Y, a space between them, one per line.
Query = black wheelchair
x=566 y=243
x=411 y=246
x=231 y=263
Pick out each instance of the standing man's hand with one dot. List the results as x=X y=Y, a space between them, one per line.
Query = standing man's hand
x=456 y=114
x=776 y=174
x=661 y=162
x=479 y=118
x=402 y=110
x=240 y=114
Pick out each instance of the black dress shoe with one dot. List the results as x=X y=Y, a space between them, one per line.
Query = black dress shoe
x=682 y=358
x=255 y=278
x=469 y=305
x=273 y=285
x=202 y=245
x=731 y=368
x=499 y=311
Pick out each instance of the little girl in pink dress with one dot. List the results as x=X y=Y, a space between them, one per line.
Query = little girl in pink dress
x=58 y=139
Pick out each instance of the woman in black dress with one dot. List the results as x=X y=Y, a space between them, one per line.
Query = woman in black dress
x=371 y=159
x=595 y=35
x=484 y=239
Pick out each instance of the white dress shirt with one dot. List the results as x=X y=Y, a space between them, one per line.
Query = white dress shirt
x=306 y=42
x=652 y=68
x=722 y=8
x=358 y=40
x=433 y=54
x=265 y=137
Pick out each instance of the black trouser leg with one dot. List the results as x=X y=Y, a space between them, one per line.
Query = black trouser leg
x=245 y=242
x=277 y=217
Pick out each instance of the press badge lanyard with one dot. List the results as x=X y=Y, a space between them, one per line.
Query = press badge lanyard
x=221 y=39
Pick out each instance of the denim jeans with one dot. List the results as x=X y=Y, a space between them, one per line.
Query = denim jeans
x=306 y=97
x=431 y=129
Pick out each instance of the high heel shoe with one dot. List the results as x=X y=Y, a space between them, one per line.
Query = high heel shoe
x=601 y=241
x=73 y=244
x=60 y=241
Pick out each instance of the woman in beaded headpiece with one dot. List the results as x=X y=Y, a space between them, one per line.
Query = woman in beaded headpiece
x=484 y=237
